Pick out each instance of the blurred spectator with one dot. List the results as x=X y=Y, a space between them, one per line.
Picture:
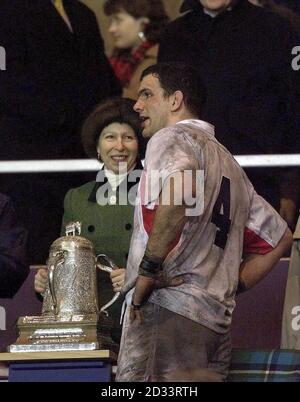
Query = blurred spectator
x=56 y=71
x=136 y=26
x=243 y=54
x=13 y=264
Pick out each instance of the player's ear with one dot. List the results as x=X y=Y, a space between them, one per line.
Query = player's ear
x=176 y=100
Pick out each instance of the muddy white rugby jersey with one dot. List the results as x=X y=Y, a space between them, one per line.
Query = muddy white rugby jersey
x=234 y=221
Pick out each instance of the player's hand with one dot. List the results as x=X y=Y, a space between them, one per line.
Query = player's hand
x=143 y=289
x=117 y=277
x=40 y=279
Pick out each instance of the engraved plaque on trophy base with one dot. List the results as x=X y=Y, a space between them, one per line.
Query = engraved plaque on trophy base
x=50 y=333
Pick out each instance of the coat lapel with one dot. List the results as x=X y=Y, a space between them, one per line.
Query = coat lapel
x=51 y=18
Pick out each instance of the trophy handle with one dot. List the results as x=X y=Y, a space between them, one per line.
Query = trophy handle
x=108 y=267
x=59 y=259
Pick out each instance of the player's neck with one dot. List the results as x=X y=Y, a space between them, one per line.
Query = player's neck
x=179 y=116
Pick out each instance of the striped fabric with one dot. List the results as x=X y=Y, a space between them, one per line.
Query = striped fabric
x=281 y=365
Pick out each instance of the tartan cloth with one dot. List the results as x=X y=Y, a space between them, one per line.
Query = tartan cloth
x=280 y=365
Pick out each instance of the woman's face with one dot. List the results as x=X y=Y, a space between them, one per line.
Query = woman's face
x=118 y=147
x=124 y=28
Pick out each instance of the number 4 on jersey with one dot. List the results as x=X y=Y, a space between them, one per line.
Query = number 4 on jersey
x=221 y=213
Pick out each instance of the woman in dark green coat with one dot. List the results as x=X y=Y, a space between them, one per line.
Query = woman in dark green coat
x=105 y=207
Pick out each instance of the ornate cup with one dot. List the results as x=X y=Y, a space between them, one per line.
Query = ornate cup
x=70 y=309
x=72 y=284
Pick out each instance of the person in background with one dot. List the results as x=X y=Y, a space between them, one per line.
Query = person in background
x=193 y=247
x=136 y=26
x=112 y=134
x=244 y=56
x=14 y=267
x=56 y=73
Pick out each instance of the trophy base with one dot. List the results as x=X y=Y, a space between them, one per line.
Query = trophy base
x=51 y=333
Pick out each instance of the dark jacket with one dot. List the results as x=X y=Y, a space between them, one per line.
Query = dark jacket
x=244 y=58
x=13 y=265
x=53 y=77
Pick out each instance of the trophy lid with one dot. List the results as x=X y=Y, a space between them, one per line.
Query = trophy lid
x=72 y=240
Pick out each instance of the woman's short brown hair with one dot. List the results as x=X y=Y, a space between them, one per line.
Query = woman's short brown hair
x=113 y=110
x=152 y=9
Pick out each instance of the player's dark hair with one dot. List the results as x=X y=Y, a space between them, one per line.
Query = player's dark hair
x=180 y=77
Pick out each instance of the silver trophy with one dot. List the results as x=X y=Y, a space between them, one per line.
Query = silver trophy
x=70 y=307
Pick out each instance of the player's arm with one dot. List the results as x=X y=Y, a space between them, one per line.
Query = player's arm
x=255 y=266
x=169 y=221
x=168 y=224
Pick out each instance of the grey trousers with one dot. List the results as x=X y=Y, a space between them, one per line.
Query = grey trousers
x=167 y=347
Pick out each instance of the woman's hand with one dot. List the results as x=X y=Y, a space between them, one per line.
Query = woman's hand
x=40 y=280
x=117 y=277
